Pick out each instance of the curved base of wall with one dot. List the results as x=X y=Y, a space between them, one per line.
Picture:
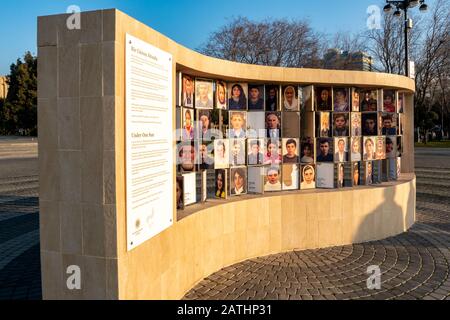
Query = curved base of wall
x=225 y=234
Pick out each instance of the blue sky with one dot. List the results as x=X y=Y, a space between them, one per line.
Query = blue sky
x=188 y=22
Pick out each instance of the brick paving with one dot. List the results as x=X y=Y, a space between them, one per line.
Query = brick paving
x=414 y=265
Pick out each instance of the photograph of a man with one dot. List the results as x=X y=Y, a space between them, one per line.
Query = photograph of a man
x=389 y=125
x=187 y=96
x=341 y=154
x=206 y=160
x=204 y=94
x=325 y=150
x=238 y=181
x=186 y=156
x=221 y=95
x=255 y=97
x=370 y=124
x=204 y=126
x=273 y=125
x=272 y=98
x=256 y=153
x=237 y=152
x=290 y=151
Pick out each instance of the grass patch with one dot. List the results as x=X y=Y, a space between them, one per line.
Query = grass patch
x=434 y=144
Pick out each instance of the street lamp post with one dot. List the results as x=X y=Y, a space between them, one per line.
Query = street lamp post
x=404 y=5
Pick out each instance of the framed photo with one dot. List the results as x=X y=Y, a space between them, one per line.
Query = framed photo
x=341 y=99
x=238 y=181
x=272 y=180
x=221 y=154
x=205 y=155
x=391 y=147
x=323 y=99
x=256 y=124
x=369 y=148
x=307 y=151
x=389 y=101
x=204 y=125
x=341 y=125
x=355 y=124
x=389 y=124
x=238 y=124
x=221 y=95
x=272 y=98
x=355 y=146
x=256 y=180
x=273 y=125
x=180 y=193
x=186 y=155
x=325 y=175
x=341 y=147
x=323 y=124
x=256 y=149
x=187 y=91
x=188 y=120
x=237 y=96
x=273 y=152
x=291 y=124
x=238 y=154
x=370 y=124
x=356 y=177
x=290 y=98
x=221 y=184
x=355 y=100
x=204 y=94
x=308 y=177
x=368 y=173
x=325 y=150
x=380 y=148
x=256 y=97
x=369 y=100
x=291 y=176
x=291 y=150
x=340 y=176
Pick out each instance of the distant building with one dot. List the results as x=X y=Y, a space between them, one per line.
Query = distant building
x=3 y=87
x=344 y=60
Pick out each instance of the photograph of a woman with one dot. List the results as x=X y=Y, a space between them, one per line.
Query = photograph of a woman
x=273 y=154
x=237 y=96
x=341 y=101
x=323 y=99
x=307 y=152
x=290 y=99
x=380 y=152
x=308 y=177
x=356 y=149
x=238 y=181
x=188 y=125
x=355 y=124
x=221 y=154
x=369 y=148
x=272 y=98
x=221 y=184
x=369 y=101
x=325 y=124
x=221 y=95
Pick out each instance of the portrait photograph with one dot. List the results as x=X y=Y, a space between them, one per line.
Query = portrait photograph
x=391 y=147
x=205 y=155
x=237 y=96
x=307 y=151
x=325 y=150
x=273 y=125
x=389 y=101
x=272 y=98
x=221 y=95
x=291 y=176
x=389 y=124
x=368 y=173
x=370 y=124
x=204 y=94
x=272 y=155
x=204 y=125
x=290 y=98
x=341 y=99
x=356 y=177
x=255 y=97
x=308 y=177
x=272 y=179
x=291 y=150
x=340 y=176
x=256 y=124
x=238 y=181
x=238 y=124
x=369 y=148
x=255 y=181
x=341 y=149
x=368 y=100
x=325 y=175
x=323 y=99
x=255 y=151
x=238 y=153
x=355 y=124
x=221 y=183
x=221 y=154
x=186 y=156
x=380 y=148
x=323 y=124
x=355 y=100
x=341 y=125
x=355 y=146
x=187 y=91
x=180 y=193
x=188 y=130
x=291 y=124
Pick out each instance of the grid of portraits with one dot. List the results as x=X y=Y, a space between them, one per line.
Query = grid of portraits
x=235 y=138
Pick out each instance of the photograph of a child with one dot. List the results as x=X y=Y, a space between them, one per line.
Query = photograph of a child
x=389 y=101
x=204 y=94
x=237 y=93
x=341 y=125
x=273 y=152
x=272 y=180
x=238 y=124
x=341 y=100
x=389 y=123
x=290 y=150
x=256 y=97
x=323 y=99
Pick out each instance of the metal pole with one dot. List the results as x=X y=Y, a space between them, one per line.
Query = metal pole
x=406 y=41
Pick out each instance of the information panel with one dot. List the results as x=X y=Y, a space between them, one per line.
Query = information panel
x=149 y=141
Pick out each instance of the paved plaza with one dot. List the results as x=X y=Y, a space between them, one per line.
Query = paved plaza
x=414 y=265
